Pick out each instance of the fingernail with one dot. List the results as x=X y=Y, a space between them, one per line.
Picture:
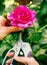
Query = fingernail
x=8 y=61
x=11 y=53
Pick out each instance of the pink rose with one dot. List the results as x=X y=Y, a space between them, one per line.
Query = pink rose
x=22 y=17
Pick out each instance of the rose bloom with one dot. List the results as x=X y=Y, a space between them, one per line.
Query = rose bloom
x=22 y=16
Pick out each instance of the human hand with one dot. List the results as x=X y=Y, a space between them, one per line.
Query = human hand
x=5 y=30
x=24 y=60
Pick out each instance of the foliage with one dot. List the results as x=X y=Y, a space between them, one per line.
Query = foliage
x=36 y=35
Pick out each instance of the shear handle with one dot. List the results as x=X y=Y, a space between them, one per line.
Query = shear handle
x=4 y=61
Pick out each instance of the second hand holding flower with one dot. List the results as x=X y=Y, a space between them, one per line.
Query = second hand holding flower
x=22 y=17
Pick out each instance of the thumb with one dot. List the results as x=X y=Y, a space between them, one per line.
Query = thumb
x=3 y=21
x=24 y=60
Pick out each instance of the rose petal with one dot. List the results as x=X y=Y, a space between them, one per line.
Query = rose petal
x=22 y=17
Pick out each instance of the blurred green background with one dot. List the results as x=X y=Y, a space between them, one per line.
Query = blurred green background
x=36 y=35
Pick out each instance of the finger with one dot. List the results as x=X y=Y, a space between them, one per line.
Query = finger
x=8 y=61
x=21 y=59
x=11 y=54
x=25 y=60
x=4 y=31
x=3 y=21
x=14 y=29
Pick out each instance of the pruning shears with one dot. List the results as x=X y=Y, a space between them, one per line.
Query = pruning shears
x=21 y=49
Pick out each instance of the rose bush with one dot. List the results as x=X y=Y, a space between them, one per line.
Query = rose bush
x=36 y=35
x=22 y=17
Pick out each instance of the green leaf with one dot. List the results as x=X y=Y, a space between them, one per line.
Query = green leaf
x=10 y=8
x=15 y=0
x=1 y=59
x=2 y=7
x=44 y=9
x=2 y=1
x=41 y=57
x=43 y=39
x=37 y=1
x=5 y=52
x=3 y=47
x=8 y=2
x=40 y=51
x=40 y=63
x=35 y=48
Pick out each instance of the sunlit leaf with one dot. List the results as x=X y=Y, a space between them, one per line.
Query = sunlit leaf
x=40 y=51
x=37 y=1
x=43 y=39
x=35 y=48
x=3 y=47
x=10 y=8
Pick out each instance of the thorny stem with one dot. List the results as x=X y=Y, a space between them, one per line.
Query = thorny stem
x=20 y=36
x=40 y=30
